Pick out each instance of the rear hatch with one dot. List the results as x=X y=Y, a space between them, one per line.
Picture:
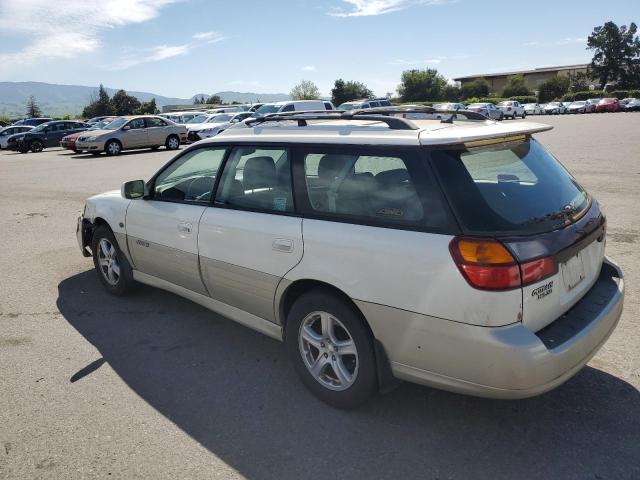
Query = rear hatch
x=519 y=194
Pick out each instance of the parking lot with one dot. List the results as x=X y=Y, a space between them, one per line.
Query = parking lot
x=154 y=386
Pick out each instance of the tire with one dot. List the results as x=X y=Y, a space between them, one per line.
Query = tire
x=36 y=146
x=77 y=151
x=524 y=115
x=110 y=263
x=357 y=382
x=23 y=149
x=155 y=147
x=172 y=143
x=113 y=148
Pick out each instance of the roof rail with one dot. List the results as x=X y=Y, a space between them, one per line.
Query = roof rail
x=394 y=123
x=469 y=114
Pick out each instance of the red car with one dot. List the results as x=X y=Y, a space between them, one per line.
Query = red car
x=69 y=142
x=608 y=105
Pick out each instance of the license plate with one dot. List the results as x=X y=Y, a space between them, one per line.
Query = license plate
x=572 y=271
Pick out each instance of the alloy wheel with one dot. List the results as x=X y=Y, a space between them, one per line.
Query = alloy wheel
x=328 y=350
x=108 y=262
x=173 y=143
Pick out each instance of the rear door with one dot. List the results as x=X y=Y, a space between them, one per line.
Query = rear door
x=252 y=236
x=162 y=232
x=156 y=131
x=55 y=133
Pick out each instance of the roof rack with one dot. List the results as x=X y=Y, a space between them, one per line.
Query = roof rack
x=469 y=114
x=394 y=123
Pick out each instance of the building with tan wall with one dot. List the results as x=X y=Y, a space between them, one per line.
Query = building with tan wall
x=533 y=78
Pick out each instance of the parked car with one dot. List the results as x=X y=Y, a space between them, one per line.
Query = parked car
x=291 y=106
x=329 y=105
x=364 y=103
x=566 y=106
x=533 y=109
x=94 y=120
x=632 y=105
x=512 y=109
x=229 y=109
x=489 y=110
x=579 y=106
x=255 y=106
x=181 y=118
x=494 y=301
x=608 y=105
x=34 y=122
x=69 y=142
x=129 y=132
x=555 y=108
x=215 y=125
x=452 y=106
x=47 y=135
x=7 y=132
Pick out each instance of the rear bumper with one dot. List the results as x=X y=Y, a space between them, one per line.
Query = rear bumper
x=507 y=362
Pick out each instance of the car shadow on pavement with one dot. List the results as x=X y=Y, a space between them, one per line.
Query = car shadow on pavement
x=123 y=154
x=234 y=391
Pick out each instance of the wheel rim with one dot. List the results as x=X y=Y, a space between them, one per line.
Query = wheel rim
x=113 y=148
x=36 y=146
x=173 y=143
x=108 y=262
x=328 y=351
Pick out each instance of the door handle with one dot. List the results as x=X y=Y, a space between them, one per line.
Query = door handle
x=185 y=227
x=282 y=245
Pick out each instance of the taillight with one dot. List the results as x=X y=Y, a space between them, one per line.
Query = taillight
x=486 y=264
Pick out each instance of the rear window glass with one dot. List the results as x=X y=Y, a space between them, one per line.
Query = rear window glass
x=515 y=188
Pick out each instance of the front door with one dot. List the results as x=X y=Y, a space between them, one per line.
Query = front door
x=136 y=136
x=162 y=232
x=252 y=237
x=157 y=131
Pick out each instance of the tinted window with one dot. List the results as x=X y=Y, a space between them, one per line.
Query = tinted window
x=257 y=179
x=191 y=177
x=514 y=188
x=288 y=108
x=369 y=188
x=156 y=122
x=136 y=123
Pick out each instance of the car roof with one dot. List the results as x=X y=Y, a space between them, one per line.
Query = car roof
x=372 y=132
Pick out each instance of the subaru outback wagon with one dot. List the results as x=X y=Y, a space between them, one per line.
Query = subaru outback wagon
x=458 y=254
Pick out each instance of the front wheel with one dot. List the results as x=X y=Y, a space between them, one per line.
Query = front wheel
x=36 y=146
x=113 y=147
x=172 y=143
x=112 y=266
x=524 y=115
x=331 y=349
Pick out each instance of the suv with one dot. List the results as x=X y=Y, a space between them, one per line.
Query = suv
x=292 y=106
x=512 y=109
x=364 y=104
x=457 y=253
x=49 y=134
x=125 y=133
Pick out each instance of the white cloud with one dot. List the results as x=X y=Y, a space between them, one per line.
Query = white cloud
x=209 y=37
x=152 y=54
x=309 y=68
x=562 y=41
x=65 y=28
x=567 y=41
x=366 y=8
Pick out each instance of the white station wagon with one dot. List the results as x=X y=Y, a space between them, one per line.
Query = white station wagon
x=453 y=253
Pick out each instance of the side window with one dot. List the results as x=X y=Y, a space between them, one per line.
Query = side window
x=191 y=177
x=368 y=188
x=257 y=178
x=289 y=108
x=136 y=123
x=156 y=122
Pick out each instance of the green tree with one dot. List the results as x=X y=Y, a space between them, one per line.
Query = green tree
x=305 y=90
x=616 y=55
x=451 y=93
x=351 y=90
x=553 y=88
x=214 y=100
x=124 y=104
x=420 y=85
x=579 y=81
x=515 y=87
x=147 y=108
x=199 y=100
x=476 y=88
x=33 y=110
x=99 y=106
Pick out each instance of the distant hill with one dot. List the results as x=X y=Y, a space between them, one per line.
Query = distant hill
x=57 y=100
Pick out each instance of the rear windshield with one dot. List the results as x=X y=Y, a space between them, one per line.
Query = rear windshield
x=514 y=188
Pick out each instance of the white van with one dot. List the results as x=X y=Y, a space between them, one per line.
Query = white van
x=291 y=106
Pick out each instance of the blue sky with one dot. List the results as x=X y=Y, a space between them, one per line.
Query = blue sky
x=182 y=47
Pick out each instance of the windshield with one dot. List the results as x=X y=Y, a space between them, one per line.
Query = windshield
x=516 y=188
x=578 y=104
x=117 y=123
x=220 y=118
x=40 y=127
x=266 y=109
x=349 y=106
x=505 y=104
x=478 y=105
x=198 y=119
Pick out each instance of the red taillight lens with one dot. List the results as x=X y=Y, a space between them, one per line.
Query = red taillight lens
x=492 y=277
x=537 y=270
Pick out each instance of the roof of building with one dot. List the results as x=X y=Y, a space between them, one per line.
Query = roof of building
x=522 y=72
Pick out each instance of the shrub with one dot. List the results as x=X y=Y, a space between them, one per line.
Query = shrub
x=553 y=88
x=476 y=88
x=515 y=86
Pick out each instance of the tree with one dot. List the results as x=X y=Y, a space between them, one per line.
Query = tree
x=100 y=106
x=579 y=81
x=214 y=100
x=351 y=90
x=515 y=86
x=305 y=90
x=420 y=85
x=124 y=104
x=451 y=93
x=553 y=88
x=199 y=100
x=33 y=110
x=616 y=55
x=476 y=88
x=147 y=108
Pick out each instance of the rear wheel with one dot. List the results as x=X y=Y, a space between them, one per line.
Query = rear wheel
x=172 y=143
x=112 y=266
x=113 y=147
x=524 y=114
x=331 y=349
x=36 y=146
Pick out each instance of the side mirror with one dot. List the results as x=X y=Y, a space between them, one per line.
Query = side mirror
x=126 y=127
x=133 y=189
